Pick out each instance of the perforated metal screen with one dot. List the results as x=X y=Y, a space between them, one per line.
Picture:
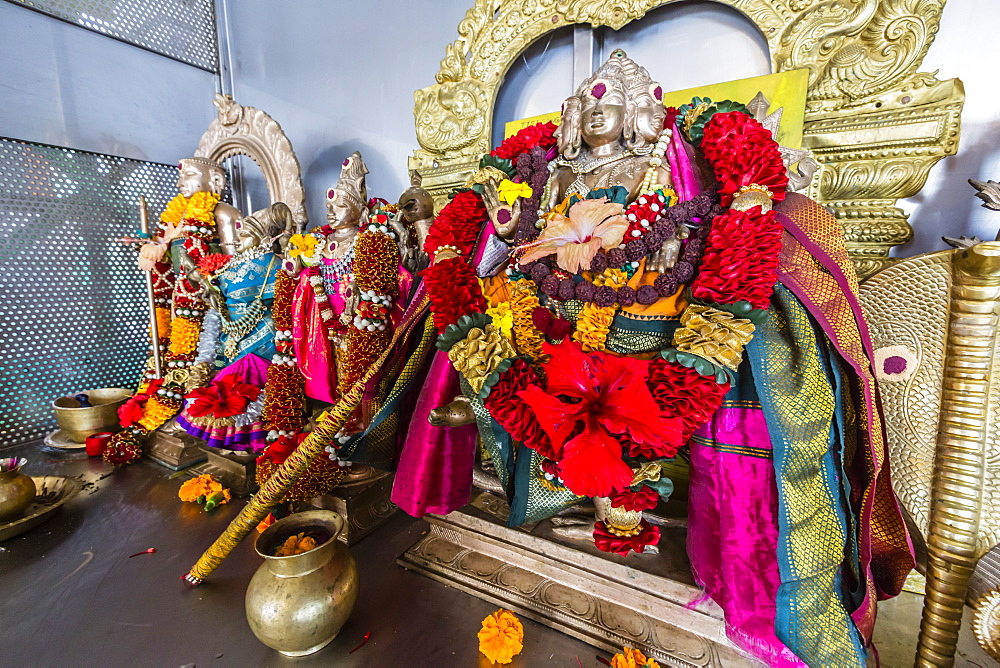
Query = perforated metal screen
x=181 y=29
x=72 y=302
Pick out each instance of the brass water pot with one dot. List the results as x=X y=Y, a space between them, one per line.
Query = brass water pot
x=297 y=604
x=17 y=491
x=102 y=415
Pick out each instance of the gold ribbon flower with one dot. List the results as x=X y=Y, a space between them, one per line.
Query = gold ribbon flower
x=718 y=336
x=479 y=354
x=508 y=191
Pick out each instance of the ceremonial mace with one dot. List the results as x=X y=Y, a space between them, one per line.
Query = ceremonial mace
x=150 y=297
x=274 y=489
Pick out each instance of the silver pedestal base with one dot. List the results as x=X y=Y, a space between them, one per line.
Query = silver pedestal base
x=608 y=601
x=364 y=503
x=174 y=450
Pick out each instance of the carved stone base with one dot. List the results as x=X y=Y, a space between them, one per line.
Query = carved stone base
x=173 y=450
x=363 y=499
x=235 y=470
x=603 y=599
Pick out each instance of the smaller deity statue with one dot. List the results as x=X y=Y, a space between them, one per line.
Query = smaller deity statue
x=327 y=300
x=415 y=213
x=238 y=332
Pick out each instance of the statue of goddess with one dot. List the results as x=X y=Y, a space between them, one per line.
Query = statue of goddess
x=655 y=311
x=239 y=333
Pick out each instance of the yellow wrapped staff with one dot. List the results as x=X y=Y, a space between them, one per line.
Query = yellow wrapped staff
x=273 y=491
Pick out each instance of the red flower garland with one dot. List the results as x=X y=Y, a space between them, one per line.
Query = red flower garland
x=742 y=151
x=644 y=499
x=513 y=413
x=453 y=290
x=540 y=134
x=457 y=224
x=741 y=259
x=684 y=393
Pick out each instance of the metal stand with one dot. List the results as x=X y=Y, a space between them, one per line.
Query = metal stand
x=235 y=470
x=175 y=451
x=642 y=601
x=363 y=500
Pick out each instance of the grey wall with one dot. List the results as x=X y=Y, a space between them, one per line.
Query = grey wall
x=340 y=76
x=63 y=85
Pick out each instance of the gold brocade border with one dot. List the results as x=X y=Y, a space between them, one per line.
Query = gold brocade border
x=874 y=122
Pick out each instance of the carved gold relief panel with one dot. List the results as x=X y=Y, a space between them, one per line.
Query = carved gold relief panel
x=875 y=123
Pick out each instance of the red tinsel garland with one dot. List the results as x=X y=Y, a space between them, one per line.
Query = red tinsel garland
x=741 y=259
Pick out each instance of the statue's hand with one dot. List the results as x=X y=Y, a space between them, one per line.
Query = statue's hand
x=664 y=259
x=351 y=300
x=504 y=216
x=151 y=253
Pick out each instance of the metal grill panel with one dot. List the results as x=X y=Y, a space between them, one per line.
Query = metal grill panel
x=72 y=302
x=180 y=29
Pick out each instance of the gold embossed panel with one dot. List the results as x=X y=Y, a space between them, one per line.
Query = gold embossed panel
x=907 y=306
x=875 y=123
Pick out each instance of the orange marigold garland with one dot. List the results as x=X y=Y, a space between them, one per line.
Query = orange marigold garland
x=523 y=302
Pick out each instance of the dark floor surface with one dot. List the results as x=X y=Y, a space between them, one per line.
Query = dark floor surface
x=71 y=596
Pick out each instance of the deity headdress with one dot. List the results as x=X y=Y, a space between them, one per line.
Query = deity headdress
x=351 y=186
x=620 y=74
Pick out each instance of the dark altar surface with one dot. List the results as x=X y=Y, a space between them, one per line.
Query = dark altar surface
x=71 y=596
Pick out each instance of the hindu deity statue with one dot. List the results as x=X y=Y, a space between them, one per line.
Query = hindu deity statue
x=414 y=215
x=238 y=333
x=336 y=299
x=195 y=226
x=664 y=299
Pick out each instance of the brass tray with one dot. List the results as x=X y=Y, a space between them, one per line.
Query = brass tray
x=59 y=440
x=53 y=492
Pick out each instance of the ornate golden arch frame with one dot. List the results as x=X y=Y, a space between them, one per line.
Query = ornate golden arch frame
x=240 y=130
x=874 y=123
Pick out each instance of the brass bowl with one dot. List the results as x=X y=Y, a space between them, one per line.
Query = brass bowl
x=78 y=423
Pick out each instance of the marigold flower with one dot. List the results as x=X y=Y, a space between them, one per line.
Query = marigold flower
x=302 y=244
x=203 y=487
x=503 y=318
x=502 y=637
x=632 y=658
x=296 y=544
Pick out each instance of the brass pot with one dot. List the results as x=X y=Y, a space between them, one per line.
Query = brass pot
x=102 y=415
x=17 y=491
x=297 y=604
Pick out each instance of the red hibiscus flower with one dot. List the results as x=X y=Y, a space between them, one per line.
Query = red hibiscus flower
x=591 y=401
x=224 y=398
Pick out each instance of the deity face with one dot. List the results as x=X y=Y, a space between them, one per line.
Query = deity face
x=247 y=235
x=649 y=120
x=415 y=204
x=229 y=238
x=602 y=120
x=194 y=178
x=341 y=212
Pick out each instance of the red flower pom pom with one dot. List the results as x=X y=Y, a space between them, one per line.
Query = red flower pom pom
x=741 y=259
x=540 y=134
x=453 y=291
x=645 y=499
x=607 y=541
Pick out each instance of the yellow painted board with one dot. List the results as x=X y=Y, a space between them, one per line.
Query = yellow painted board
x=783 y=90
